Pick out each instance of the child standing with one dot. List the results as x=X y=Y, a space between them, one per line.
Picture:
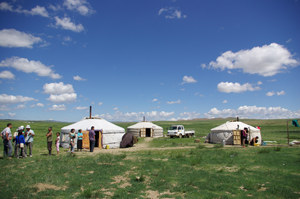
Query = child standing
x=57 y=142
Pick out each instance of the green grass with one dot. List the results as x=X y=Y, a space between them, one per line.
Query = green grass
x=199 y=171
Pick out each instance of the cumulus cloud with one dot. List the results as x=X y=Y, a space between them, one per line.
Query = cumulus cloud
x=175 y=102
x=13 y=38
x=254 y=112
x=228 y=87
x=65 y=97
x=182 y=89
x=81 y=107
x=78 y=78
x=225 y=101
x=11 y=99
x=187 y=79
x=137 y=116
x=116 y=108
x=38 y=10
x=20 y=106
x=259 y=83
x=7 y=75
x=23 y=64
x=81 y=6
x=154 y=100
x=55 y=107
x=171 y=13
x=267 y=60
x=4 y=108
x=280 y=93
x=40 y=104
x=58 y=88
x=100 y=103
x=65 y=23
x=271 y=93
x=11 y=114
x=189 y=115
x=32 y=105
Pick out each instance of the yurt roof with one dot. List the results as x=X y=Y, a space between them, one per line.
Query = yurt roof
x=146 y=124
x=98 y=123
x=233 y=126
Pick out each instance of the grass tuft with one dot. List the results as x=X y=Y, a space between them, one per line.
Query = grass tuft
x=277 y=148
x=264 y=150
x=218 y=146
x=200 y=146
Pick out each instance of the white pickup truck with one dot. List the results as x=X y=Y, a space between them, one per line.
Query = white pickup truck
x=179 y=131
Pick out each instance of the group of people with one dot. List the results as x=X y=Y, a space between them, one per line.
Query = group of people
x=23 y=139
x=72 y=136
x=246 y=138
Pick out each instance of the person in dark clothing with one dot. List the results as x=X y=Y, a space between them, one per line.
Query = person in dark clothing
x=92 y=135
x=49 y=140
x=254 y=140
x=245 y=132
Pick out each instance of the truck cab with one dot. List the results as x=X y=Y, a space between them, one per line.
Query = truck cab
x=176 y=131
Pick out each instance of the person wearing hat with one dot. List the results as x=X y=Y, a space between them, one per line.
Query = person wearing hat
x=6 y=136
x=20 y=143
x=29 y=134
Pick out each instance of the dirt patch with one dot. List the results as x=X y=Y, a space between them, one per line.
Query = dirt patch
x=156 y=194
x=44 y=187
x=159 y=159
x=122 y=178
x=228 y=169
x=91 y=172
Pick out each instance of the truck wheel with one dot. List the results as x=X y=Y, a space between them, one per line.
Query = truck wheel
x=180 y=136
x=171 y=136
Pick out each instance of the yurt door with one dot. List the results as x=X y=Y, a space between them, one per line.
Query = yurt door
x=143 y=133
x=85 y=140
x=151 y=135
x=237 y=137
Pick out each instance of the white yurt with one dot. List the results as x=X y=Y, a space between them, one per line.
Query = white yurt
x=231 y=132
x=106 y=133
x=145 y=129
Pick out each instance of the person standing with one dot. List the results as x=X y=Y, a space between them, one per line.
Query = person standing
x=72 y=136
x=49 y=140
x=29 y=134
x=20 y=143
x=92 y=135
x=6 y=136
x=57 y=142
x=244 y=136
x=79 y=140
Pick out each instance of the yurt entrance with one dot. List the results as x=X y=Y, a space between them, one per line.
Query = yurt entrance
x=86 y=139
x=98 y=138
x=146 y=132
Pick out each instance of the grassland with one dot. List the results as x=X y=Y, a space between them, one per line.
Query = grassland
x=167 y=168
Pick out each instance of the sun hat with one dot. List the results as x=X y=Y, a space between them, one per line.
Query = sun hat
x=28 y=126
x=20 y=128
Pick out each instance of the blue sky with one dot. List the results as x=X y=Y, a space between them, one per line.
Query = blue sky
x=166 y=60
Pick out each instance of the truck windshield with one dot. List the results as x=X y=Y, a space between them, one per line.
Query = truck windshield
x=173 y=128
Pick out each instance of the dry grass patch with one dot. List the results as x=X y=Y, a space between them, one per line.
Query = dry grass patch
x=122 y=178
x=45 y=186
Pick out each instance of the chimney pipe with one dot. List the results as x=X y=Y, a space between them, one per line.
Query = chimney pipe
x=90 y=112
x=237 y=119
x=144 y=119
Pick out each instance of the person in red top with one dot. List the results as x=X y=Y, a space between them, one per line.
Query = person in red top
x=245 y=133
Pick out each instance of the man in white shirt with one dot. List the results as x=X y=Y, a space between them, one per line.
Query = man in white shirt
x=6 y=136
x=29 y=134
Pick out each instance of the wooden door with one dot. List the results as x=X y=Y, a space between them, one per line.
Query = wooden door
x=85 y=140
x=100 y=140
x=237 y=137
x=143 y=133
x=151 y=133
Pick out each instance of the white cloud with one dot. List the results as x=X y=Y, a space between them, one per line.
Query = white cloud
x=81 y=6
x=201 y=95
x=66 y=24
x=78 y=78
x=13 y=38
x=65 y=97
x=289 y=40
x=40 y=104
x=116 y=108
x=182 y=89
x=1 y=115
x=20 y=106
x=189 y=115
x=171 y=13
x=38 y=10
x=187 y=79
x=55 y=107
x=4 y=108
x=271 y=93
x=55 y=8
x=7 y=75
x=23 y=64
x=225 y=101
x=11 y=99
x=67 y=38
x=58 y=88
x=174 y=102
x=31 y=106
x=197 y=93
x=137 y=116
x=267 y=60
x=81 y=107
x=259 y=83
x=154 y=100
x=100 y=103
x=272 y=80
x=254 y=112
x=280 y=93
x=228 y=87
x=11 y=114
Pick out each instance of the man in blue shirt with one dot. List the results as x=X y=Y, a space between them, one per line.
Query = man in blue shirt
x=92 y=135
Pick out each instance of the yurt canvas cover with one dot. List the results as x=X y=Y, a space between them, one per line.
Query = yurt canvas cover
x=231 y=133
x=110 y=133
x=145 y=129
